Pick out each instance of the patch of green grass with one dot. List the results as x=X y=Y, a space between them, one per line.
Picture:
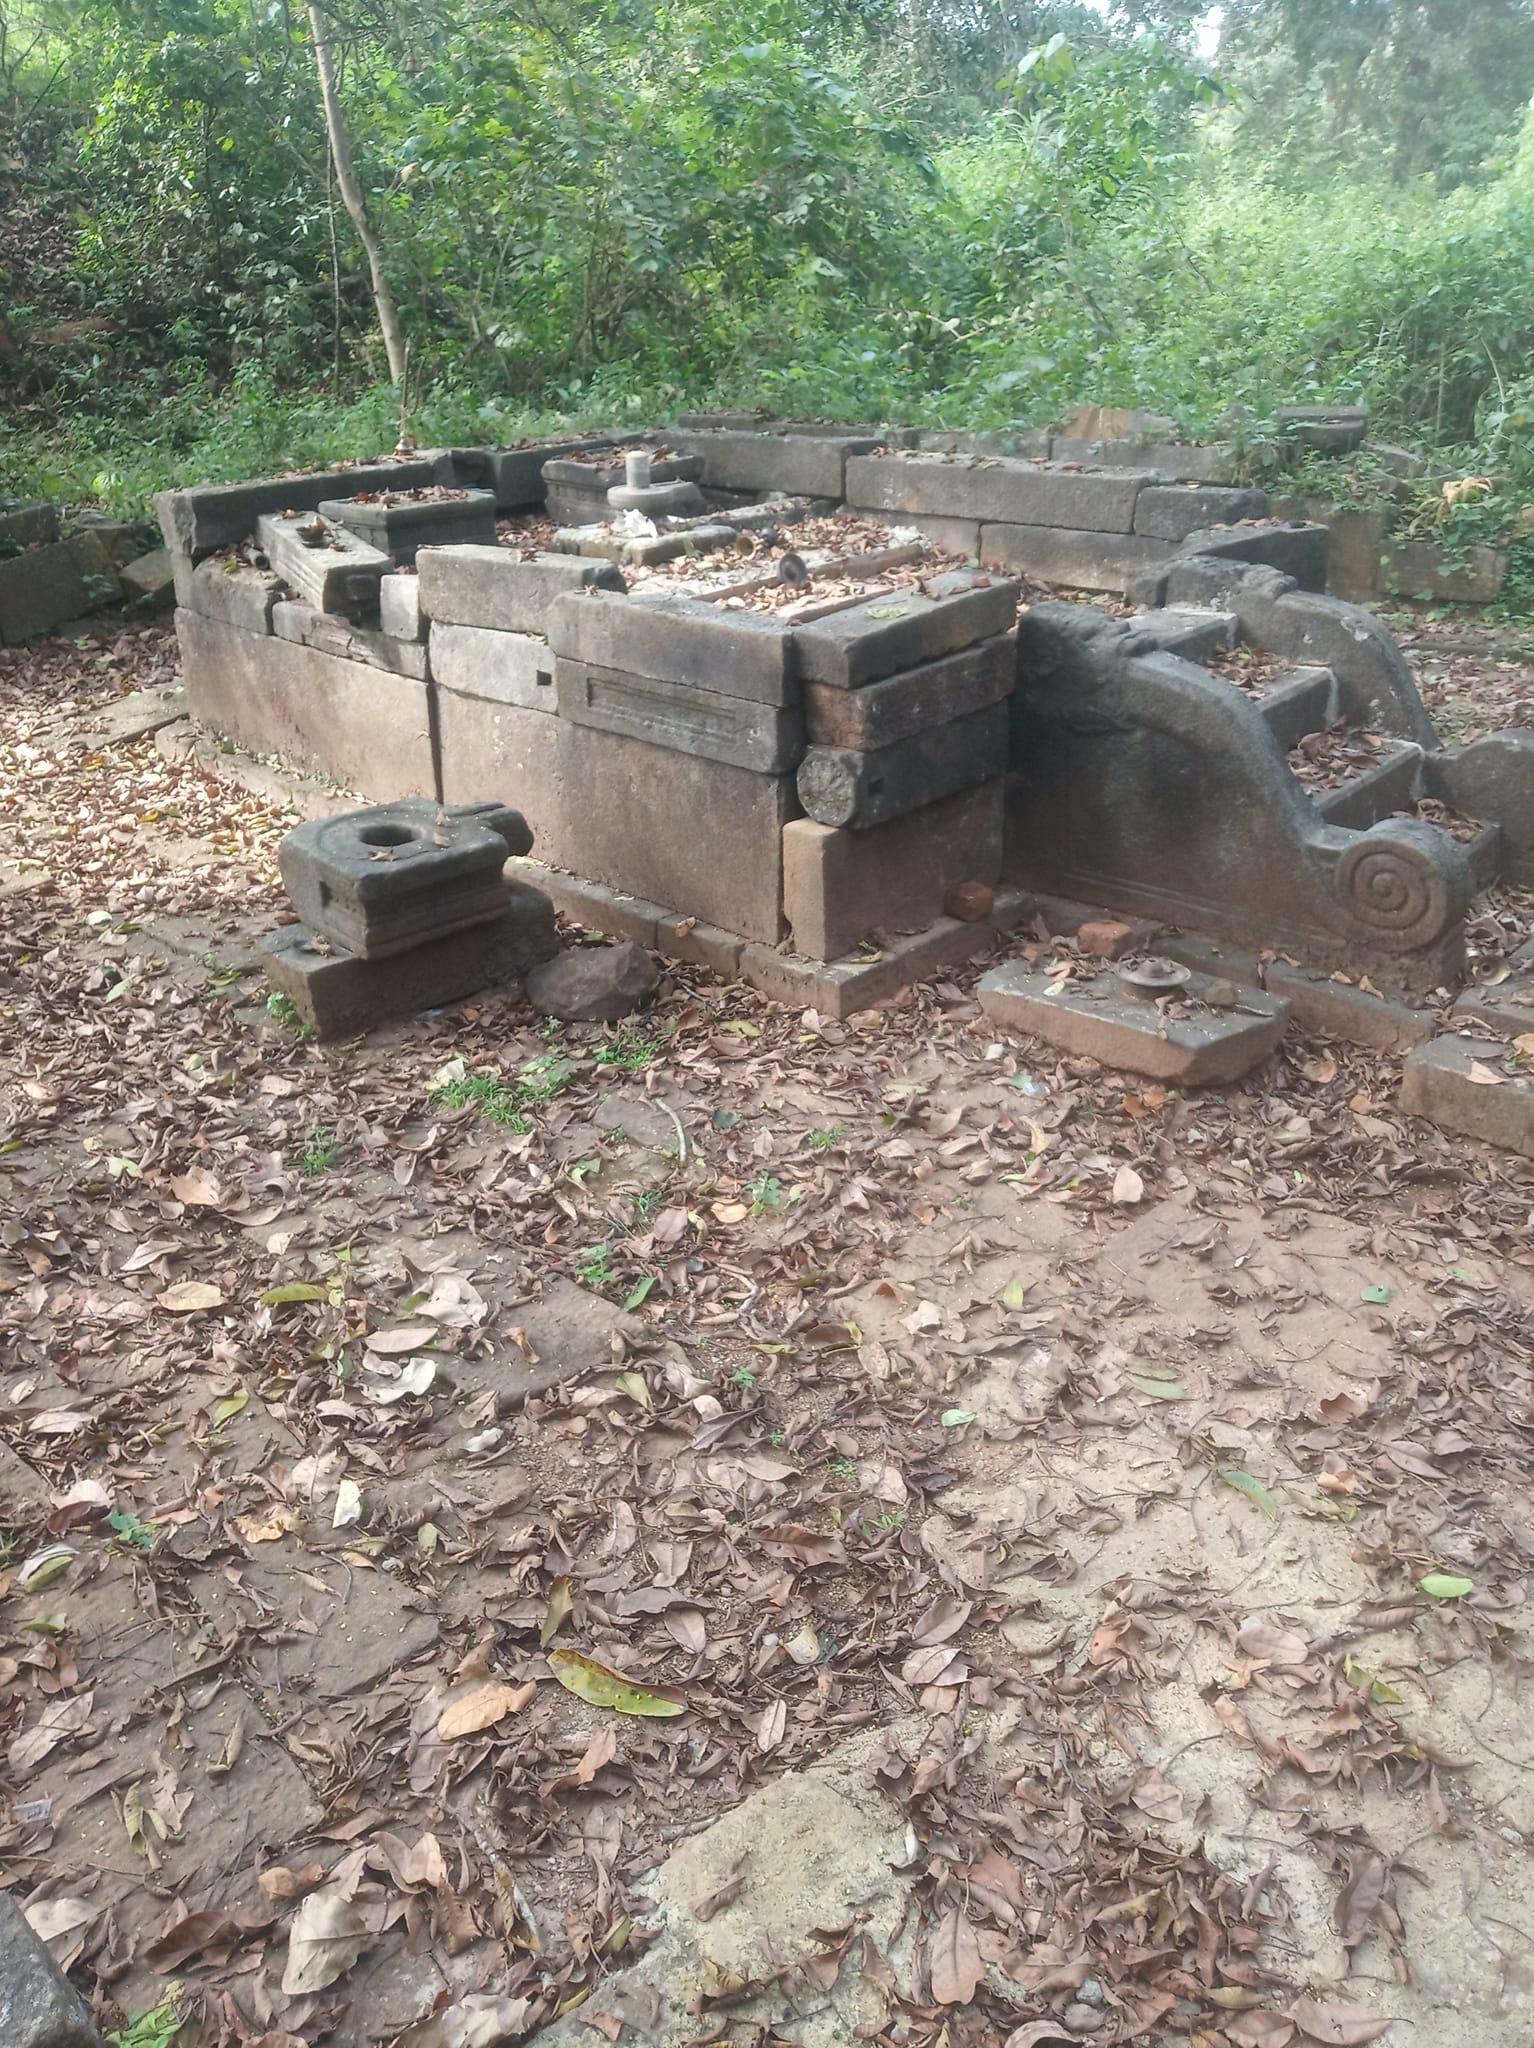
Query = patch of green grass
x=743 y=1377
x=633 y=1048
x=844 y=1469
x=488 y=1094
x=595 y=1266
x=157 y=2029
x=822 y=1141
x=550 y=1074
x=279 y=1008
x=321 y=1151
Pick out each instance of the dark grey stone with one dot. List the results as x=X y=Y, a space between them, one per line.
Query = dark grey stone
x=809 y=464
x=338 y=994
x=41 y=589
x=680 y=640
x=151 y=579
x=1298 y=704
x=1386 y=786
x=1072 y=560
x=515 y=475
x=1300 y=551
x=1328 y=429
x=1195 y=635
x=466 y=586
x=593 y=984
x=380 y=881
x=222 y=515
x=1173 y=511
x=228 y=590
x=1438 y=1082
x=306 y=627
x=1143 y=782
x=997 y=488
x=1375 y=685
x=39 y=2007
x=901 y=629
x=397 y=524
x=324 y=563
x=840 y=787
x=1215 y=463
x=1492 y=779
x=399 y=608
x=883 y=713
x=23 y=526
x=504 y=668
x=767 y=738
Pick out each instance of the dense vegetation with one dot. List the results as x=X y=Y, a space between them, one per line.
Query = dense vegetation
x=952 y=210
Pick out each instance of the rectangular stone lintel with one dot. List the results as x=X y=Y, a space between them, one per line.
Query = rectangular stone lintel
x=505 y=668
x=336 y=572
x=838 y=786
x=882 y=713
x=1075 y=560
x=843 y=988
x=900 y=630
x=496 y=588
x=302 y=624
x=222 y=515
x=766 y=738
x=680 y=640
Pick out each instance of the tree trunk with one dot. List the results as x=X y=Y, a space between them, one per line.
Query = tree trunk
x=351 y=197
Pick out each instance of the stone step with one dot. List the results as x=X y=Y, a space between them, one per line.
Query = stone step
x=1300 y=703
x=1475 y=1086
x=1186 y=630
x=1390 y=785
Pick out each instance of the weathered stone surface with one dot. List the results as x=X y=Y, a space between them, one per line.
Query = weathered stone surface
x=1493 y=780
x=680 y=640
x=840 y=886
x=1505 y=1006
x=41 y=589
x=1017 y=493
x=881 y=714
x=1173 y=511
x=840 y=787
x=1195 y=635
x=1355 y=552
x=399 y=608
x=1299 y=551
x=767 y=738
x=815 y=1850
x=324 y=563
x=1302 y=702
x=1375 y=685
x=489 y=747
x=379 y=881
x=1102 y=939
x=957 y=536
x=39 y=2007
x=616 y=914
x=366 y=728
x=1032 y=444
x=841 y=988
x=1423 y=568
x=493 y=587
x=221 y=515
x=809 y=465
x=1215 y=463
x=1073 y=560
x=305 y=626
x=230 y=591
x=1389 y=784
x=1142 y=782
x=1470 y=1085
x=900 y=630
x=1098 y=1017
x=593 y=984
x=398 y=524
x=23 y=526
x=1318 y=1001
x=701 y=837
x=1328 y=429
x=515 y=475
x=151 y=578
x=337 y=994
x=506 y=668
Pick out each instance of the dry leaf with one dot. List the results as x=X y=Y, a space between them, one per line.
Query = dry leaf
x=481 y=2020
x=196 y=1189
x=1338 y=2022
x=1260 y=2030
x=1156 y=1795
x=1484 y=1076
x=188 y=1296
x=1128 y=1188
x=482 y=1708
x=957 y=1970
x=326 y=1938
x=59 y=1719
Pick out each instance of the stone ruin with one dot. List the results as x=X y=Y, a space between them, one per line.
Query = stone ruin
x=769 y=698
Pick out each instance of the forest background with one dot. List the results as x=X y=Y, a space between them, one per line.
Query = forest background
x=603 y=211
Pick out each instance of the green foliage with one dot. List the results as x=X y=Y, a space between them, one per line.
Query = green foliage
x=321 y=1151
x=491 y=1096
x=157 y=2029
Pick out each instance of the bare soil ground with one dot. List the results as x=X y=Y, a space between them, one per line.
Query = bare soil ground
x=1058 y=1458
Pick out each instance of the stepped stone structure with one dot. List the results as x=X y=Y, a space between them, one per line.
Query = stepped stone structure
x=1224 y=756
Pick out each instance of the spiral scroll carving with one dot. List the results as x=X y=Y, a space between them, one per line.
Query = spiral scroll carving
x=1404 y=884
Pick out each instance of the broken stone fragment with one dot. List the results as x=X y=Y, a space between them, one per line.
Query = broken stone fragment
x=594 y=984
x=39 y=2007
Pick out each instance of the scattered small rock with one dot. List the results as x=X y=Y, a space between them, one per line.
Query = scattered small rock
x=1104 y=940
x=1222 y=995
x=39 y=2007
x=1083 y=2019
x=593 y=984
x=969 y=901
